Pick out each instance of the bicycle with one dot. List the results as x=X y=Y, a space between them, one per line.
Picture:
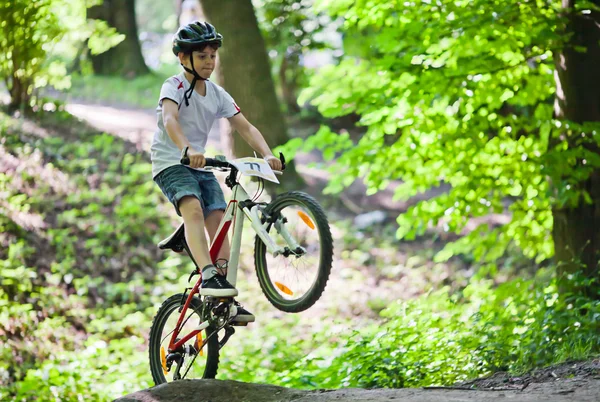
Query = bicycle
x=286 y=230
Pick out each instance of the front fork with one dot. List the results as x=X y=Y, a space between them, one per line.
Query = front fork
x=280 y=226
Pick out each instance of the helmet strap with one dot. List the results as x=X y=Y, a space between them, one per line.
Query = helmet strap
x=188 y=94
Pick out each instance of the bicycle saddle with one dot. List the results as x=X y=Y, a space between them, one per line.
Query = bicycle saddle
x=174 y=242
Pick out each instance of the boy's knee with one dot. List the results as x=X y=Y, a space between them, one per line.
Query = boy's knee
x=191 y=208
x=217 y=214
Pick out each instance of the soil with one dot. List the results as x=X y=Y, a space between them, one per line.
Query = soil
x=567 y=382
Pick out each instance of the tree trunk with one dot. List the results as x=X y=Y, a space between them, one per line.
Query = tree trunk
x=17 y=95
x=576 y=230
x=246 y=75
x=288 y=85
x=178 y=8
x=126 y=58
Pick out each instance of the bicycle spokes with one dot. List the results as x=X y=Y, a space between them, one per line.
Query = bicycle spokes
x=178 y=363
x=294 y=271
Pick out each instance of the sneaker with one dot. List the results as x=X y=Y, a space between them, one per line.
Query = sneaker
x=243 y=315
x=215 y=285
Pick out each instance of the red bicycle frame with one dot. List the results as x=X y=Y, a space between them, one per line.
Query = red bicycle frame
x=214 y=253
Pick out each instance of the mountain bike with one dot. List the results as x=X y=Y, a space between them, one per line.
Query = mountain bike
x=293 y=252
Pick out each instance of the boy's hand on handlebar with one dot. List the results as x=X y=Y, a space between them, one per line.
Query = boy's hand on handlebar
x=197 y=159
x=274 y=162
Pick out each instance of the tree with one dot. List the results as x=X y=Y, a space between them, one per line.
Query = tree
x=39 y=38
x=246 y=74
x=461 y=93
x=126 y=58
x=576 y=228
x=290 y=29
x=28 y=29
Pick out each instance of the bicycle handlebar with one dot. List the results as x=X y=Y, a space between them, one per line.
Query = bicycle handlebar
x=185 y=160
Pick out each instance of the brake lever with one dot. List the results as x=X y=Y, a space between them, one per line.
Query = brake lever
x=185 y=159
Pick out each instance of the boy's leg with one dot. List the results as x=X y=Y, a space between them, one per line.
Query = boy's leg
x=193 y=217
x=191 y=211
x=212 y=224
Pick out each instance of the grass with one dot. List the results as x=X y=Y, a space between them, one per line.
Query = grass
x=140 y=92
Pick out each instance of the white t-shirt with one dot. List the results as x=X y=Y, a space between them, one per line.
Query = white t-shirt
x=196 y=120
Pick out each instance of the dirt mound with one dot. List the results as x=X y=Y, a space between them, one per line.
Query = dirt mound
x=567 y=382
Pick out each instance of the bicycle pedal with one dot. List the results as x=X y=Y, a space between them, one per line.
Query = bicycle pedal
x=239 y=324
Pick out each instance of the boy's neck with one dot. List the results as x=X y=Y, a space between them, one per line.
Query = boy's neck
x=200 y=84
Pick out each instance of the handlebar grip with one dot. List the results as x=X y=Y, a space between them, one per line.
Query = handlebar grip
x=216 y=163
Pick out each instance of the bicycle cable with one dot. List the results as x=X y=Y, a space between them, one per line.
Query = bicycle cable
x=259 y=190
x=204 y=342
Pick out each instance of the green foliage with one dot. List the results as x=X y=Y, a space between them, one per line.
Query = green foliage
x=39 y=38
x=291 y=29
x=78 y=295
x=458 y=93
x=156 y=16
x=28 y=30
x=439 y=339
x=74 y=318
x=442 y=338
x=140 y=92
x=100 y=371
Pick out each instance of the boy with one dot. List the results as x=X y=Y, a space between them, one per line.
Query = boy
x=188 y=106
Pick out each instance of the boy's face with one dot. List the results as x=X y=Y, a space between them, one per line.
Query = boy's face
x=204 y=61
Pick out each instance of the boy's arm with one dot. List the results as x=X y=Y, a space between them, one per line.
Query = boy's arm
x=255 y=139
x=170 y=115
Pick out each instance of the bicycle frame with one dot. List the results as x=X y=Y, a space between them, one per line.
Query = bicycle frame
x=237 y=209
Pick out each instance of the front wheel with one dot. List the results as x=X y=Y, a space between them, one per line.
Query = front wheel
x=294 y=280
x=198 y=362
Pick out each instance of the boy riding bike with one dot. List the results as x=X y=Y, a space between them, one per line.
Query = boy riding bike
x=187 y=108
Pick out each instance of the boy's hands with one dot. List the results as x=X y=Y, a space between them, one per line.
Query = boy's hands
x=274 y=162
x=197 y=159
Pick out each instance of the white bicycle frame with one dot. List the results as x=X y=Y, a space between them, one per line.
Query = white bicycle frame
x=236 y=213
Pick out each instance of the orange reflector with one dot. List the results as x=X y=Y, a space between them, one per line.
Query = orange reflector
x=163 y=360
x=284 y=288
x=198 y=344
x=306 y=220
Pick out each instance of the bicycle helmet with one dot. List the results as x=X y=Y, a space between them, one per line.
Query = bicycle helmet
x=195 y=36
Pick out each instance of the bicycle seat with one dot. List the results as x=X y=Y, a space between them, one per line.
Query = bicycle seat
x=174 y=242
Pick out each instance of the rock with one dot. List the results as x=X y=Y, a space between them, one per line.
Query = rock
x=365 y=220
x=213 y=391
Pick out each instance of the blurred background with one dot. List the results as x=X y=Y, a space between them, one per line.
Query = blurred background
x=452 y=144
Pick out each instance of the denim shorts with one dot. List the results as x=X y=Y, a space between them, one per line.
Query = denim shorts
x=180 y=181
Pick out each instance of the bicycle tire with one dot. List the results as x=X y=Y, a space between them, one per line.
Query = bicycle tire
x=326 y=254
x=160 y=319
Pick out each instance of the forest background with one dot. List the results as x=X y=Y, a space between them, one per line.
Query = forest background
x=453 y=144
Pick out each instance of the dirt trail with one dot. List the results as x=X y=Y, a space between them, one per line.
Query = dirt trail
x=568 y=382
